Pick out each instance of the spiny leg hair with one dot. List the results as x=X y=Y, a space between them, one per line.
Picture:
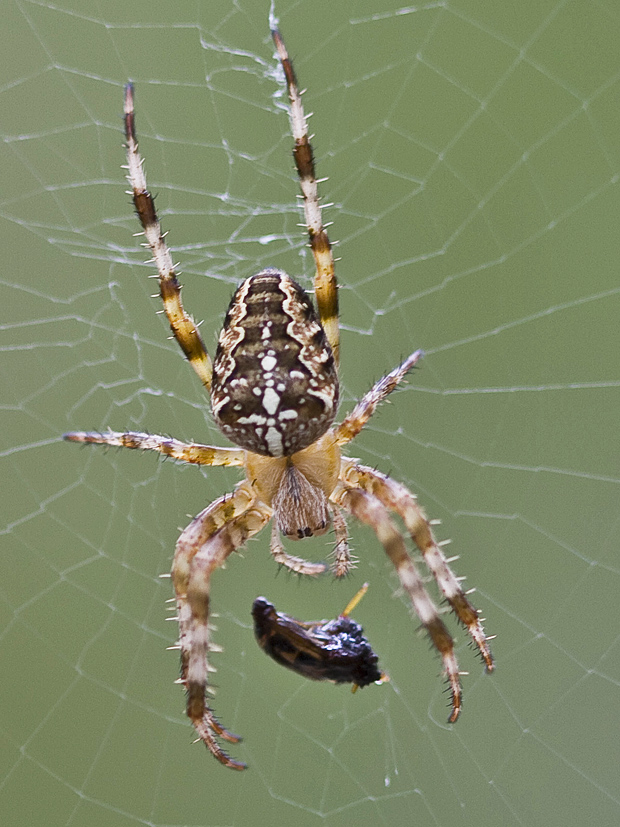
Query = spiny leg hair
x=343 y=560
x=400 y=500
x=220 y=529
x=325 y=285
x=192 y=452
x=369 y=510
x=350 y=427
x=183 y=327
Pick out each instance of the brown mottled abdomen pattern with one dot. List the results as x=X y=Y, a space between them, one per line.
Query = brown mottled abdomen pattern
x=275 y=383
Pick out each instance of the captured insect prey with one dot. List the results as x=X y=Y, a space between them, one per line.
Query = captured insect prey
x=322 y=650
x=274 y=388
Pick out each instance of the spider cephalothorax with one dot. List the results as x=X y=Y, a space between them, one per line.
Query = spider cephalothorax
x=274 y=393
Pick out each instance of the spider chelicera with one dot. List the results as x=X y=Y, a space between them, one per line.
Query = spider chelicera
x=274 y=393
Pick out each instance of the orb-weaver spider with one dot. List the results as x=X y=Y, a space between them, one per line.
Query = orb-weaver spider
x=274 y=393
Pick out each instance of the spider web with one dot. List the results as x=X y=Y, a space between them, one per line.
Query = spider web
x=473 y=157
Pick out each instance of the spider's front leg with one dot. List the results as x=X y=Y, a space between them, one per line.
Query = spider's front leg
x=400 y=500
x=223 y=527
x=369 y=510
x=343 y=561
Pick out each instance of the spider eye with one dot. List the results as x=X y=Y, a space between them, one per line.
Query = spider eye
x=308 y=531
x=275 y=384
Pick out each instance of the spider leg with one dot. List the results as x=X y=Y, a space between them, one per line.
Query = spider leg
x=343 y=561
x=193 y=452
x=350 y=427
x=295 y=564
x=325 y=285
x=398 y=499
x=368 y=509
x=220 y=529
x=182 y=325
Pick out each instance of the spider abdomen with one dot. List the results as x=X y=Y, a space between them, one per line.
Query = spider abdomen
x=275 y=384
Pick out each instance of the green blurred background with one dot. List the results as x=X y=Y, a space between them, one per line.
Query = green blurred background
x=473 y=152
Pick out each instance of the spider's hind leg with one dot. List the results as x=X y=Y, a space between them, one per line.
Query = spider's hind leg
x=325 y=285
x=183 y=327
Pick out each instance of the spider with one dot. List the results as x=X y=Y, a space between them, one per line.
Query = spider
x=321 y=650
x=274 y=393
